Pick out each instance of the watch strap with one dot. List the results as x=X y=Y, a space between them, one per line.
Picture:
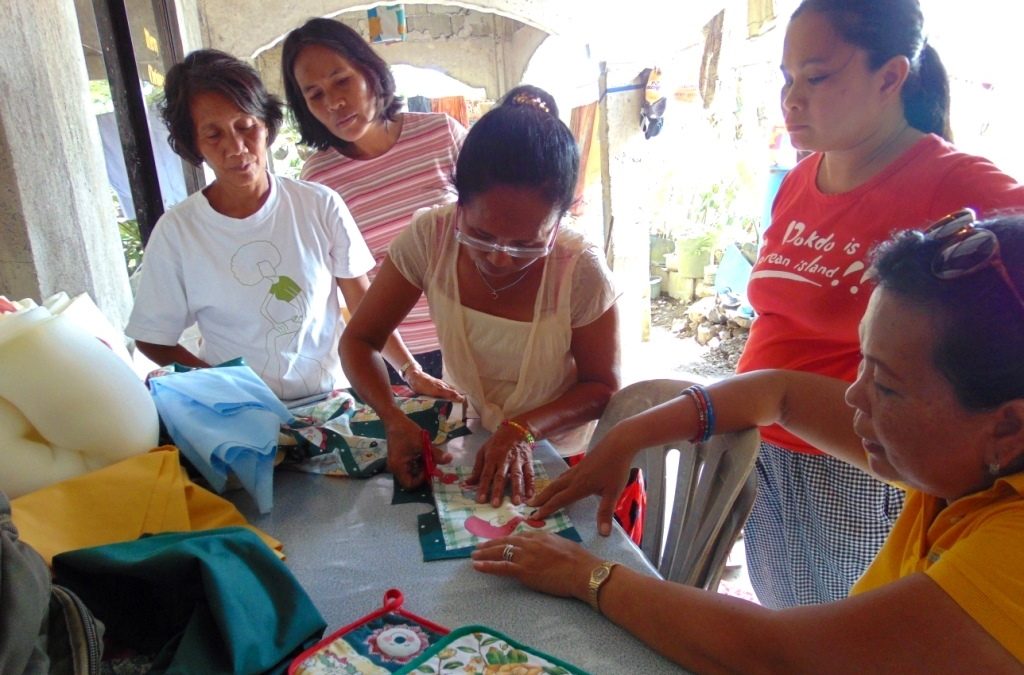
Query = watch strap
x=598 y=576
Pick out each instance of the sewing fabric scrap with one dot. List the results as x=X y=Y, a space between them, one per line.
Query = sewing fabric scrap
x=459 y=523
x=224 y=418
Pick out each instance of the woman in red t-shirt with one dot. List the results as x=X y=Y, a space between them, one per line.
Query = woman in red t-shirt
x=866 y=94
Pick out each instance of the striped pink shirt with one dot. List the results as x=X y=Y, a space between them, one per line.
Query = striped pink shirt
x=383 y=193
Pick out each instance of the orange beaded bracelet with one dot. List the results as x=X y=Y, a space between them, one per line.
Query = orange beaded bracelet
x=522 y=429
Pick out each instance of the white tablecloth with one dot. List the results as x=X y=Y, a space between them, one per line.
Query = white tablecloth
x=347 y=544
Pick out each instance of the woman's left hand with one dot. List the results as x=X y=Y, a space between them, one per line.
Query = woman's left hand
x=428 y=385
x=542 y=561
x=506 y=457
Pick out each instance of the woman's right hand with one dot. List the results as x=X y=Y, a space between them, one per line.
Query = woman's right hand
x=603 y=472
x=405 y=452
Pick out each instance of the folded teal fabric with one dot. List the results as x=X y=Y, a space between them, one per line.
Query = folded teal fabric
x=224 y=418
x=217 y=601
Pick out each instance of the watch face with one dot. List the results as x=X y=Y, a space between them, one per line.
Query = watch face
x=600 y=574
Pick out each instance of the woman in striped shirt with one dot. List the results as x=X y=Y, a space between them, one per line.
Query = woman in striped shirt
x=385 y=164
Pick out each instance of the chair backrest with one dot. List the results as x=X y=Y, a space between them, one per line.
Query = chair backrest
x=695 y=510
x=715 y=565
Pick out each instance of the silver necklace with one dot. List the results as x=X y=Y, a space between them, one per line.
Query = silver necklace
x=494 y=291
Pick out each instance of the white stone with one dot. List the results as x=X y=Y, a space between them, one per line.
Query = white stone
x=701 y=309
x=703 y=334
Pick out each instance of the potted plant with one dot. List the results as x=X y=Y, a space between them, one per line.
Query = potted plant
x=693 y=251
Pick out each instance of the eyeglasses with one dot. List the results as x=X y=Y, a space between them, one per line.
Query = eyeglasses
x=966 y=249
x=485 y=246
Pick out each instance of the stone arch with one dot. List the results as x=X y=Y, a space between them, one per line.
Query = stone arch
x=223 y=29
x=481 y=49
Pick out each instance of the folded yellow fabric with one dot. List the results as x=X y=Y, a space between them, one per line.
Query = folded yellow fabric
x=145 y=494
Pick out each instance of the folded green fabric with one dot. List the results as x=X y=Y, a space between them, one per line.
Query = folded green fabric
x=216 y=601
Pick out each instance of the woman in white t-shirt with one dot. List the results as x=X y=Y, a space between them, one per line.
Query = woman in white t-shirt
x=253 y=259
x=525 y=310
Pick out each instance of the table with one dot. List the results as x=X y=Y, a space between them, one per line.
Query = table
x=347 y=544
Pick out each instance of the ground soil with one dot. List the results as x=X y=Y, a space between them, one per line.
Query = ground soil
x=668 y=319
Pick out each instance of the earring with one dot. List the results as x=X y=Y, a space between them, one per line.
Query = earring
x=993 y=468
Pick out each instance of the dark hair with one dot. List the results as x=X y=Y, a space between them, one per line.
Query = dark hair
x=888 y=28
x=351 y=46
x=213 y=71
x=981 y=324
x=521 y=142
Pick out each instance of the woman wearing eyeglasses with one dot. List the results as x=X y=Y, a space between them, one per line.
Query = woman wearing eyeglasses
x=938 y=406
x=524 y=308
x=865 y=92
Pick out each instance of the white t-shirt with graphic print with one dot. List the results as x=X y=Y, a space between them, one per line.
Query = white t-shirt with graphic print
x=262 y=287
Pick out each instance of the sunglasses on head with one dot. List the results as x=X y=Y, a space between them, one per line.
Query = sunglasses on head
x=965 y=249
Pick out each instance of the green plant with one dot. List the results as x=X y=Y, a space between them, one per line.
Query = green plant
x=131 y=243
x=716 y=221
x=288 y=154
x=696 y=244
x=99 y=97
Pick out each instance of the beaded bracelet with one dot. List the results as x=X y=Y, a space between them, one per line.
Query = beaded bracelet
x=702 y=419
x=705 y=412
x=522 y=429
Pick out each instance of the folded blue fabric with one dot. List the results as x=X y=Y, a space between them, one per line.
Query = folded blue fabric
x=223 y=418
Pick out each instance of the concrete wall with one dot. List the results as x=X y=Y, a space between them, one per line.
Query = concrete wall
x=517 y=50
x=224 y=30
x=476 y=48
x=246 y=27
x=57 y=225
x=190 y=24
x=624 y=175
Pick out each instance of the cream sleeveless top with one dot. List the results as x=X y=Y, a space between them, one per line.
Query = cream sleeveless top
x=506 y=367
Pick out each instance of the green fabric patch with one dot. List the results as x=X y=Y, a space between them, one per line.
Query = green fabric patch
x=342 y=436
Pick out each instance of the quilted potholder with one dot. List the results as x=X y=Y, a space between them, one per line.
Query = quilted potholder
x=381 y=642
x=485 y=651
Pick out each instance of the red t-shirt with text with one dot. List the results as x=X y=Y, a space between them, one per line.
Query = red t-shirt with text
x=808 y=285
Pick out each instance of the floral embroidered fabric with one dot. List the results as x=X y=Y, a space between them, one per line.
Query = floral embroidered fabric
x=485 y=651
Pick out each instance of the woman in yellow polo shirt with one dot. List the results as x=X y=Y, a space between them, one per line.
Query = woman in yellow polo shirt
x=938 y=406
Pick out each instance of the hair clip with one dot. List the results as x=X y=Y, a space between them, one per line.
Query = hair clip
x=523 y=98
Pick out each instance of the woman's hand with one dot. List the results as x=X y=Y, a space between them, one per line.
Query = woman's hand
x=405 y=452
x=603 y=472
x=428 y=385
x=506 y=457
x=542 y=561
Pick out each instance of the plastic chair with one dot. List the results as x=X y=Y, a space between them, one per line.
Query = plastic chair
x=689 y=531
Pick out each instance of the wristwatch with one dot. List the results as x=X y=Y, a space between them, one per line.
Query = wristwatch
x=598 y=576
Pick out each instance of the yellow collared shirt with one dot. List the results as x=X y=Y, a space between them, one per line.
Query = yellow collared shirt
x=973 y=549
